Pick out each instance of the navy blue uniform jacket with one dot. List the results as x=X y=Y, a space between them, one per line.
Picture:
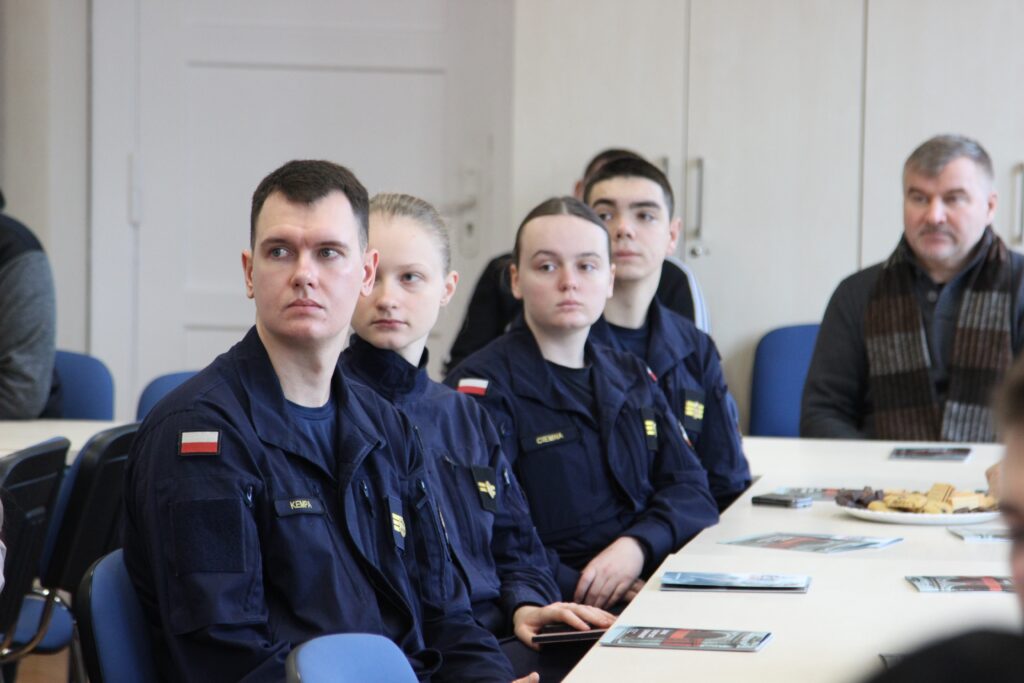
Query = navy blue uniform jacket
x=252 y=543
x=689 y=372
x=629 y=473
x=487 y=516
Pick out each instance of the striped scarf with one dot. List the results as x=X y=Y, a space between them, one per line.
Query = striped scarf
x=905 y=403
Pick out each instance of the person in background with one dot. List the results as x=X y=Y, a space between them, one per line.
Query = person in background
x=492 y=307
x=612 y=486
x=28 y=325
x=910 y=349
x=511 y=587
x=269 y=500
x=634 y=199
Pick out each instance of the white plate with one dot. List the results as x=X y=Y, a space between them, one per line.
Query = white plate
x=921 y=518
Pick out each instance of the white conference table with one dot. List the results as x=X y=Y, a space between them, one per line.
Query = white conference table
x=858 y=606
x=18 y=434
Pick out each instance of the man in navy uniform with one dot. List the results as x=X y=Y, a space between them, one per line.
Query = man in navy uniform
x=268 y=501
x=635 y=201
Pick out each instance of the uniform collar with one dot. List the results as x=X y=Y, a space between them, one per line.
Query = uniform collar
x=270 y=418
x=385 y=371
x=665 y=348
x=534 y=379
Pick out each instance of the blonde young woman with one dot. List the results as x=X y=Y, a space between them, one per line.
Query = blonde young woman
x=485 y=514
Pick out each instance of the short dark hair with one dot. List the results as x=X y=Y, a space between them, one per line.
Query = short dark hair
x=934 y=154
x=631 y=168
x=606 y=155
x=306 y=181
x=560 y=206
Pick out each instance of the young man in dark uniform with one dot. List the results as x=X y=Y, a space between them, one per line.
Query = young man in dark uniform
x=269 y=501
x=635 y=201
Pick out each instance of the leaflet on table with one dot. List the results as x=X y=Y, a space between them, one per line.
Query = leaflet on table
x=962 y=584
x=932 y=453
x=813 y=543
x=710 y=581
x=982 y=535
x=813 y=492
x=685 y=638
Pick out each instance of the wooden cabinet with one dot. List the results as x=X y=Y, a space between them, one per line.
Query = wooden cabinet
x=773 y=172
x=941 y=66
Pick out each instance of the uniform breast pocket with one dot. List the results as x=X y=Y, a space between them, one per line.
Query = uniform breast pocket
x=301 y=527
x=468 y=499
x=433 y=552
x=555 y=472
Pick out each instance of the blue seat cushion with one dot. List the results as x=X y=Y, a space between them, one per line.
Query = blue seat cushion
x=58 y=635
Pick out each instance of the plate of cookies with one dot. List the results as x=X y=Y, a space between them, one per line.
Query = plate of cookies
x=941 y=505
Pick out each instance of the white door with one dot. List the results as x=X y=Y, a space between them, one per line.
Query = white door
x=228 y=91
x=941 y=67
x=773 y=147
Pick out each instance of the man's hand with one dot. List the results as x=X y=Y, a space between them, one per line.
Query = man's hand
x=528 y=620
x=606 y=578
x=637 y=586
x=529 y=678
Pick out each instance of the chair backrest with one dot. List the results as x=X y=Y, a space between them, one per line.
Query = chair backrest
x=701 y=316
x=29 y=481
x=348 y=658
x=87 y=385
x=159 y=388
x=780 y=369
x=113 y=630
x=86 y=522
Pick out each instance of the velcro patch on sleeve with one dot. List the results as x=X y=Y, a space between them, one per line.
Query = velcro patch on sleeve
x=473 y=385
x=199 y=443
x=208 y=536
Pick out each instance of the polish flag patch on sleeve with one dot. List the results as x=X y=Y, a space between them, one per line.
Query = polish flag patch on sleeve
x=650 y=373
x=199 y=443
x=473 y=385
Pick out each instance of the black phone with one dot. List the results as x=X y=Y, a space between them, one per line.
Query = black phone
x=564 y=633
x=782 y=500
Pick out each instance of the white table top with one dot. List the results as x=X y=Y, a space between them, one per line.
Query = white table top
x=859 y=605
x=18 y=434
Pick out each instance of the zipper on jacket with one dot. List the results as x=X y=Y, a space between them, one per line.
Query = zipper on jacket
x=365 y=488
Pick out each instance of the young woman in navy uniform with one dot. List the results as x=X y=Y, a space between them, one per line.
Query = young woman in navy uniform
x=612 y=485
x=486 y=515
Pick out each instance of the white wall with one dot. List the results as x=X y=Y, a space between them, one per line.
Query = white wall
x=44 y=142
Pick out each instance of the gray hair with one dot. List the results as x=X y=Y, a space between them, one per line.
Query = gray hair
x=398 y=205
x=935 y=154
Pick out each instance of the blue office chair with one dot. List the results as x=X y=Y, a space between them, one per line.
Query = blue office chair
x=85 y=524
x=29 y=482
x=112 y=627
x=348 y=658
x=158 y=388
x=87 y=385
x=780 y=369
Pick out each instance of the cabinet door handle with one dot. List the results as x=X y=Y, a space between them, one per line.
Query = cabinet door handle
x=1019 y=237
x=698 y=210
